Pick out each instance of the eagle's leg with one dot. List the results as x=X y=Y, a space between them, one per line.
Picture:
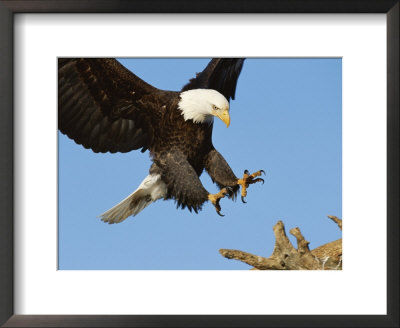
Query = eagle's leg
x=215 y=198
x=247 y=180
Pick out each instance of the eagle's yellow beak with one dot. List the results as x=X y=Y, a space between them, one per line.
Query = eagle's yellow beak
x=224 y=116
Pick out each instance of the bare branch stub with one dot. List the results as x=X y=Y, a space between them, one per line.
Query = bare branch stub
x=302 y=244
x=336 y=220
x=286 y=257
x=258 y=262
x=282 y=242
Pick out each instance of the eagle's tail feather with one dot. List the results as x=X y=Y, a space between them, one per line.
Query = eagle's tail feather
x=151 y=189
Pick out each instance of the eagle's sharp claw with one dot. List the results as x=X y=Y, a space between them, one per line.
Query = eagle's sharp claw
x=249 y=179
x=215 y=199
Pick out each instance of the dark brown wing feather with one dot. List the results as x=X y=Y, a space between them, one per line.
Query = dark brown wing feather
x=221 y=74
x=182 y=181
x=105 y=107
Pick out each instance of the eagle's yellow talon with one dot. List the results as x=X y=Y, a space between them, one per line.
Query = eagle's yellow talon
x=247 y=180
x=215 y=198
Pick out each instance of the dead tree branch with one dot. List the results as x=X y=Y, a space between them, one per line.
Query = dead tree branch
x=336 y=220
x=286 y=257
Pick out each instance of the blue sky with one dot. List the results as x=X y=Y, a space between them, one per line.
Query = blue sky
x=286 y=120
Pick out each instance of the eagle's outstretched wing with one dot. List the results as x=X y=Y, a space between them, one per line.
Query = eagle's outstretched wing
x=221 y=74
x=104 y=106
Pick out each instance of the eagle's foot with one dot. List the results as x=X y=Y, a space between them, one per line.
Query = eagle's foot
x=215 y=198
x=247 y=180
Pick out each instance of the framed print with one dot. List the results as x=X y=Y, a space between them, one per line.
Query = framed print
x=57 y=268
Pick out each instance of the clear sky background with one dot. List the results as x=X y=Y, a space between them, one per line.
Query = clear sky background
x=286 y=120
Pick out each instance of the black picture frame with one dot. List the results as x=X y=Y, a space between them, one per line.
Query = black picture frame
x=7 y=11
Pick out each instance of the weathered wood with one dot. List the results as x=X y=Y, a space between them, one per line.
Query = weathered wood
x=286 y=257
x=336 y=220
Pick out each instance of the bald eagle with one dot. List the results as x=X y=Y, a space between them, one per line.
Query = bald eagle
x=106 y=108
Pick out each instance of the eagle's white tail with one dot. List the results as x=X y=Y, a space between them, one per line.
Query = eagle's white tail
x=151 y=189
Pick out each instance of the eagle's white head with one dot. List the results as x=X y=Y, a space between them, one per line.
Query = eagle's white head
x=201 y=105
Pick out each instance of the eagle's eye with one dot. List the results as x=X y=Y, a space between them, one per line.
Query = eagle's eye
x=215 y=107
